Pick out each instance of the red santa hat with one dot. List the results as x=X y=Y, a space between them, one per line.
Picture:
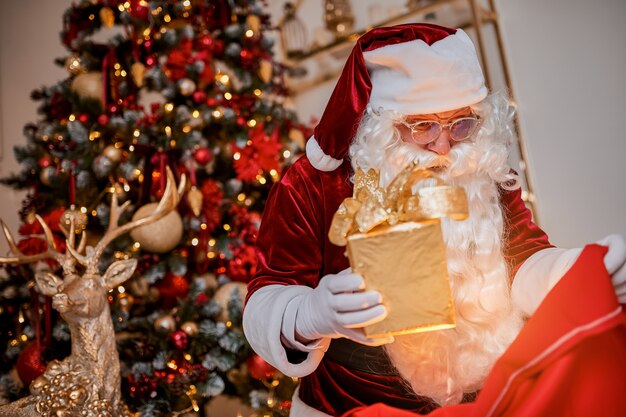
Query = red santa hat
x=413 y=69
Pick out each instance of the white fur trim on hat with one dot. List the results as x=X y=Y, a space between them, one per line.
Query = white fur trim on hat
x=318 y=158
x=416 y=78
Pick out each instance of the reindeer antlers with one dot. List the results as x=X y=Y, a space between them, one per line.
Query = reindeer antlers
x=168 y=202
x=19 y=257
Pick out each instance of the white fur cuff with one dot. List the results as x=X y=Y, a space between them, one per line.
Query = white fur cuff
x=318 y=158
x=538 y=274
x=263 y=319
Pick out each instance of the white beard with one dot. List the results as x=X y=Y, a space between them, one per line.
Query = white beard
x=445 y=364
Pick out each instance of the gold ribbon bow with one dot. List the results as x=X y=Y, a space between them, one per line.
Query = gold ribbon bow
x=372 y=206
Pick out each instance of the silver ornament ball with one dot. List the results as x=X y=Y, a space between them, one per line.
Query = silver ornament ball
x=186 y=86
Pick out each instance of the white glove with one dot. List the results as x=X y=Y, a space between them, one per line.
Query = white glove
x=338 y=307
x=539 y=273
x=615 y=262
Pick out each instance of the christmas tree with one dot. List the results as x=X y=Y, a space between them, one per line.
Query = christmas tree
x=189 y=86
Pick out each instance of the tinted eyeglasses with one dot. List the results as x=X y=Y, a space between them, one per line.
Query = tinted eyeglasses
x=424 y=132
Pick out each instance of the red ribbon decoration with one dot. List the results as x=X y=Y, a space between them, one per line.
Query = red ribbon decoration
x=72 y=188
x=192 y=173
x=162 y=165
x=106 y=79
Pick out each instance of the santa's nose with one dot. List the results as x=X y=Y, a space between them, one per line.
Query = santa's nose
x=441 y=145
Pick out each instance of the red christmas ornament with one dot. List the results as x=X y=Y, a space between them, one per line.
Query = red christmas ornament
x=29 y=364
x=243 y=265
x=206 y=41
x=103 y=119
x=260 y=155
x=179 y=339
x=199 y=97
x=202 y=298
x=212 y=196
x=83 y=118
x=212 y=102
x=218 y=47
x=241 y=121
x=259 y=369
x=44 y=161
x=203 y=156
x=284 y=406
x=171 y=288
x=246 y=57
x=139 y=9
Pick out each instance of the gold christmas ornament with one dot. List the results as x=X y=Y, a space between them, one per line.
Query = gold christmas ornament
x=194 y=198
x=165 y=323
x=209 y=279
x=88 y=85
x=138 y=286
x=74 y=66
x=113 y=153
x=265 y=70
x=80 y=220
x=190 y=328
x=161 y=236
x=125 y=301
x=223 y=296
x=138 y=71
x=46 y=175
x=107 y=17
x=254 y=22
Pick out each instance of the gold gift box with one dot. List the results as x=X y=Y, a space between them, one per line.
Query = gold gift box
x=394 y=240
x=406 y=263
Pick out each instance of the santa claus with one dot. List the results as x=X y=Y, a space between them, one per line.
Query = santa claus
x=409 y=93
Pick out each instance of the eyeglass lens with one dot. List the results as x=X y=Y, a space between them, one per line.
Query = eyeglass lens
x=427 y=131
x=463 y=128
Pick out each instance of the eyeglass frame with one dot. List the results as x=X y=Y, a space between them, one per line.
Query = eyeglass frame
x=442 y=127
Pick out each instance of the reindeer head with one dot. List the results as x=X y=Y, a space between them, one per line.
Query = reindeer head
x=85 y=295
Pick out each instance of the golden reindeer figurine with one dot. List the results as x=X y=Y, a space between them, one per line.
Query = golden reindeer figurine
x=86 y=383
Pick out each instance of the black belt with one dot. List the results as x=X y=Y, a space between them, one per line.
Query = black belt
x=353 y=355
x=370 y=359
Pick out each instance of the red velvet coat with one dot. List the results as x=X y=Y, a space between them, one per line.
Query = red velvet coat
x=294 y=250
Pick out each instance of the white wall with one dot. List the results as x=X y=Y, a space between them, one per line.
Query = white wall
x=567 y=59
x=29 y=42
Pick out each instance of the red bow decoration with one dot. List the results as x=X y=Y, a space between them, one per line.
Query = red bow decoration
x=32 y=245
x=260 y=154
x=184 y=54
